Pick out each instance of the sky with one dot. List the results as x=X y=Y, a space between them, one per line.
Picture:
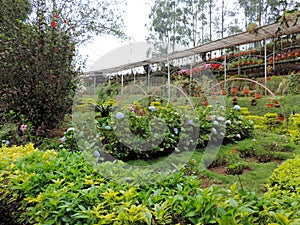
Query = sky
x=137 y=16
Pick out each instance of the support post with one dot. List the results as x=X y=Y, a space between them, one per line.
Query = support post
x=169 y=81
x=122 y=82
x=225 y=69
x=265 y=56
x=94 y=84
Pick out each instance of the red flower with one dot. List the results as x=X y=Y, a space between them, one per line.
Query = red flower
x=65 y=21
x=53 y=24
x=234 y=151
x=56 y=15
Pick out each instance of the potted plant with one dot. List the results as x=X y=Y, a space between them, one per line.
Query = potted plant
x=246 y=90
x=258 y=96
x=205 y=103
x=223 y=92
x=234 y=90
x=280 y=117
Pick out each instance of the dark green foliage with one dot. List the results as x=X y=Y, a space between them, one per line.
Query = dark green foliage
x=38 y=78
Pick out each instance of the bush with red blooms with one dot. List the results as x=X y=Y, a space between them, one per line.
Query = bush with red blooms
x=38 y=77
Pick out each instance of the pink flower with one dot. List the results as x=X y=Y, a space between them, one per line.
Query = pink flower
x=23 y=127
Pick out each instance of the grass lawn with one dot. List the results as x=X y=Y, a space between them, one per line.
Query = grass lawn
x=255 y=173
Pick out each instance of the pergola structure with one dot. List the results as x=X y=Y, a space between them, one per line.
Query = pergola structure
x=257 y=34
x=262 y=33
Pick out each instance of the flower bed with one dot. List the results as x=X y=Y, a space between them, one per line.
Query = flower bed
x=68 y=190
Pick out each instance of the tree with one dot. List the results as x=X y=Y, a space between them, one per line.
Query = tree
x=275 y=8
x=164 y=26
x=176 y=22
x=253 y=10
x=37 y=57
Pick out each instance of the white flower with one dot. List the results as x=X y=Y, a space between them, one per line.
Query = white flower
x=175 y=130
x=6 y=142
x=213 y=130
x=221 y=118
x=222 y=107
x=216 y=123
x=71 y=129
x=97 y=154
x=152 y=108
x=238 y=136
x=107 y=127
x=119 y=115
x=237 y=108
x=228 y=122
x=190 y=122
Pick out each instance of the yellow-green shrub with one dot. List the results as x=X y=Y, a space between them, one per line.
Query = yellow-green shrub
x=295 y=128
x=61 y=188
x=283 y=191
x=257 y=120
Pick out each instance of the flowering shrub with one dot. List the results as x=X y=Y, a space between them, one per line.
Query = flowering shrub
x=37 y=73
x=124 y=133
x=139 y=126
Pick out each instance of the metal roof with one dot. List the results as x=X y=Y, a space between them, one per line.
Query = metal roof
x=261 y=33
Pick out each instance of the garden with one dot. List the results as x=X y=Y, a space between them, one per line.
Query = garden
x=253 y=178
x=175 y=146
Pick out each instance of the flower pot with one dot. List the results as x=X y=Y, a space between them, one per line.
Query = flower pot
x=270 y=105
x=246 y=91
x=258 y=96
x=223 y=92
x=234 y=90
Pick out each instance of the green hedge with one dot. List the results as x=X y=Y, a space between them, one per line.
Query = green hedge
x=48 y=187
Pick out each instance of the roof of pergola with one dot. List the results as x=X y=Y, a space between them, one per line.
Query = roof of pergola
x=261 y=33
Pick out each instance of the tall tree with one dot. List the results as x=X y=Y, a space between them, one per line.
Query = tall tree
x=275 y=8
x=166 y=27
x=253 y=10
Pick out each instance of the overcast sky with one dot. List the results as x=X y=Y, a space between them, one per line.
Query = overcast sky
x=137 y=17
